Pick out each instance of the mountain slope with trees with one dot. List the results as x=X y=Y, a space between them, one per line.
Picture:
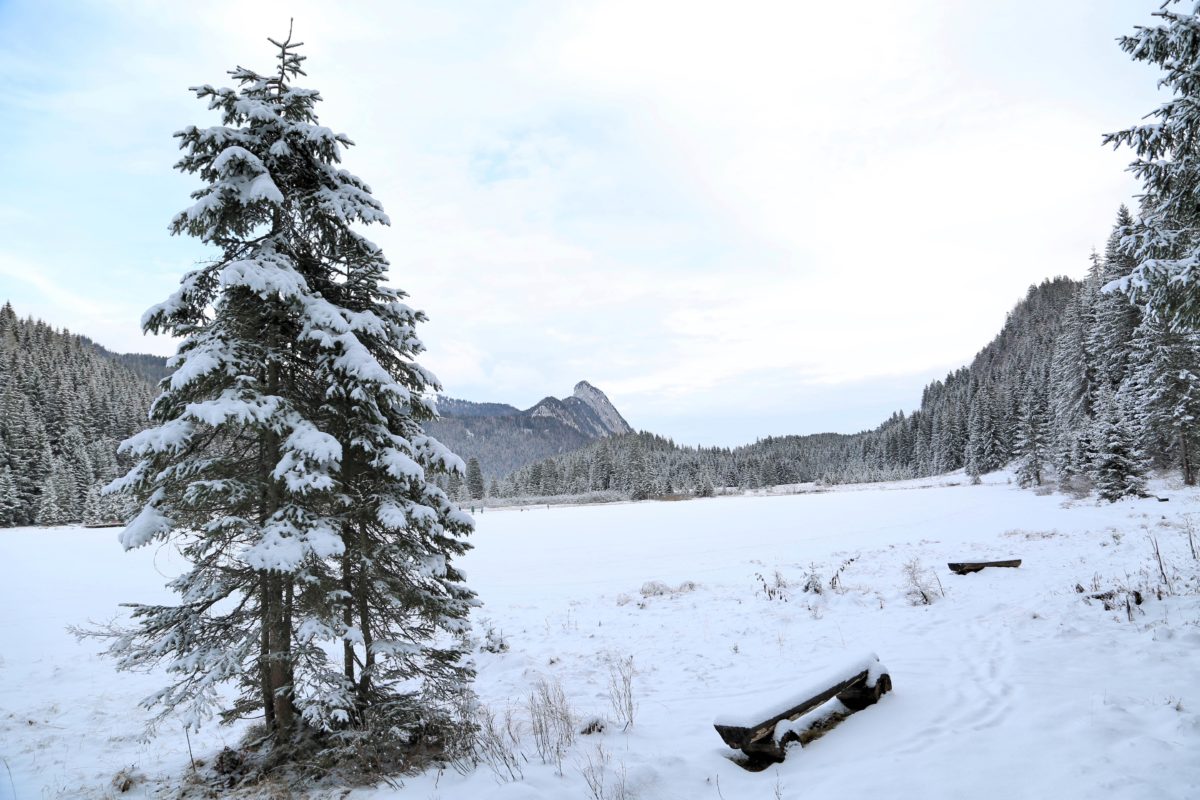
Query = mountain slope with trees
x=503 y=438
x=65 y=403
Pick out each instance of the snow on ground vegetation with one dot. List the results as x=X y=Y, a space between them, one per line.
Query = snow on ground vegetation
x=642 y=623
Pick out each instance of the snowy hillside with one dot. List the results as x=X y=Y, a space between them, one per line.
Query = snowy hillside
x=1012 y=684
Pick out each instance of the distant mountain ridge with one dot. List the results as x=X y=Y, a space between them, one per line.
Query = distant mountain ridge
x=504 y=438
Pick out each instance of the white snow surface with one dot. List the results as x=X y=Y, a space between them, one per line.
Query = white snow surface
x=1011 y=685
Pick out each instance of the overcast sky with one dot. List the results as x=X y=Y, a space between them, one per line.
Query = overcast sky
x=737 y=219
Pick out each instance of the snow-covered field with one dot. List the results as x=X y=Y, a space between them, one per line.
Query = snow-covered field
x=1012 y=685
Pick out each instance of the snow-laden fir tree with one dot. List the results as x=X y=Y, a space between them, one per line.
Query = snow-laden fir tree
x=1165 y=244
x=475 y=486
x=1119 y=464
x=1033 y=436
x=1164 y=384
x=9 y=501
x=1110 y=339
x=287 y=459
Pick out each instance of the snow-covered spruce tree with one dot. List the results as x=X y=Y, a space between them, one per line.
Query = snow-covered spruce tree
x=1033 y=436
x=1165 y=244
x=287 y=458
x=1164 y=384
x=1115 y=318
x=475 y=485
x=1119 y=465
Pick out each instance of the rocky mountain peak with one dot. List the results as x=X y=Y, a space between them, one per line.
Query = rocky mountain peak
x=598 y=402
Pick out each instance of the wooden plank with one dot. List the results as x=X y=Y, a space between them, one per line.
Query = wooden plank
x=741 y=738
x=966 y=567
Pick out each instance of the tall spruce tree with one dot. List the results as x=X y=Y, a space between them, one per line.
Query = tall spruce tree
x=1033 y=435
x=1116 y=318
x=475 y=486
x=287 y=459
x=1165 y=244
x=1119 y=464
x=1164 y=384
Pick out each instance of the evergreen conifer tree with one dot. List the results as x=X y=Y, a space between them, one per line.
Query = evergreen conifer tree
x=1165 y=245
x=1116 y=318
x=9 y=501
x=1033 y=434
x=287 y=458
x=475 y=486
x=1119 y=466
x=1164 y=385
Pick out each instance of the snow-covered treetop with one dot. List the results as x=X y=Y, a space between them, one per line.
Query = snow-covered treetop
x=1165 y=242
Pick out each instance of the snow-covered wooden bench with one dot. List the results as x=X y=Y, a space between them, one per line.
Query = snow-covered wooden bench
x=967 y=567
x=767 y=732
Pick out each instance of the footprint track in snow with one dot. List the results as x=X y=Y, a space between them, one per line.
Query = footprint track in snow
x=979 y=694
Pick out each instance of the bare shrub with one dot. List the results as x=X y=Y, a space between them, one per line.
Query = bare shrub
x=1162 y=570
x=1030 y=536
x=604 y=782
x=552 y=722
x=919 y=588
x=1078 y=486
x=497 y=743
x=776 y=588
x=620 y=690
x=835 y=583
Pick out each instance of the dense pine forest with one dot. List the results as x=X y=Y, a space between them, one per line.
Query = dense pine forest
x=1080 y=386
x=65 y=403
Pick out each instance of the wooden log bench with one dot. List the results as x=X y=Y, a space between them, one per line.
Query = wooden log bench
x=764 y=735
x=967 y=567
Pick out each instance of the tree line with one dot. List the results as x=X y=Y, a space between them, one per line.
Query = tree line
x=1082 y=383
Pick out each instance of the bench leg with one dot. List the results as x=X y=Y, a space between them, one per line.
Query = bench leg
x=859 y=697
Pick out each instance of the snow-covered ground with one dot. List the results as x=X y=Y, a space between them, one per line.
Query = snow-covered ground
x=1012 y=685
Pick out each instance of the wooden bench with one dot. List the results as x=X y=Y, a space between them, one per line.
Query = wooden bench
x=763 y=736
x=967 y=567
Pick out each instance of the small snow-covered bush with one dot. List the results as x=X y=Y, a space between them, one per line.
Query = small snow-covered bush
x=493 y=638
x=127 y=779
x=655 y=589
x=920 y=590
x=813 y=582
x=660 y=589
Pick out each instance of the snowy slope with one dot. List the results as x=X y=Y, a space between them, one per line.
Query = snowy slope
x=1011 y=685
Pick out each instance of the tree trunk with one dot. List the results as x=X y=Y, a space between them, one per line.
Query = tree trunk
x=364 y=621
x=278 y=614
x=264 y=652
x=348 y=607
x=281 y=695
x=1185 y=457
